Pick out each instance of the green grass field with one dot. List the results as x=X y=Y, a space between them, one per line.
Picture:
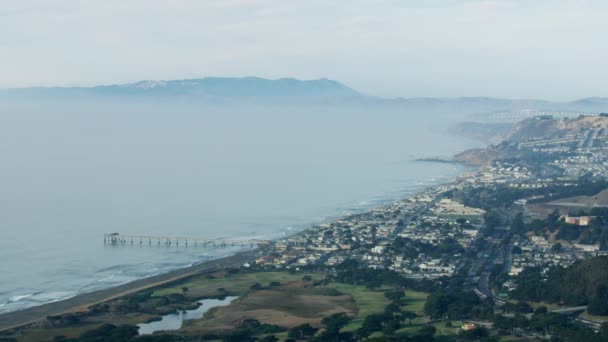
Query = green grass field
x=295 y=300
x=367 y=301
x=372 y=301
x=590 y=317
x=442 y=329
x=237 y=284
x=415 y=302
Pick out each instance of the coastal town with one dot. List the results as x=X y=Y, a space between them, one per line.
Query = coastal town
x=477 y=258
x=369 y=237
x=433 y=219
x=304 y=171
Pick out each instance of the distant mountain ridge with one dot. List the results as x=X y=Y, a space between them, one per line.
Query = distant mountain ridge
x=241 y=87
x=209 y=89
x=284 y=90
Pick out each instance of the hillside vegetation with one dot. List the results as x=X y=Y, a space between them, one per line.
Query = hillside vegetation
x=584 y=283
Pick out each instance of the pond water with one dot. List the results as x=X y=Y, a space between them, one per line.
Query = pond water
x=175 y=321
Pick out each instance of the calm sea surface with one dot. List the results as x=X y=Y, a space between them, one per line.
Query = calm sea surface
x=70 y=173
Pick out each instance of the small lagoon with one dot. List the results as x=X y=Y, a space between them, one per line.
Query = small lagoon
x=175 y=321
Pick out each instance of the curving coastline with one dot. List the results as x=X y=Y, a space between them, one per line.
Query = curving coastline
x=82 y=302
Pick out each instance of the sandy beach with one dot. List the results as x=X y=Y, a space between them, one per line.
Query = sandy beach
x=83 y=301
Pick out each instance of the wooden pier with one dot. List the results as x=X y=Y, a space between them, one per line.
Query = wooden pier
x=116 y=239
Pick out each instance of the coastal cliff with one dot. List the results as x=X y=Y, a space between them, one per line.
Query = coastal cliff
x=530 y=135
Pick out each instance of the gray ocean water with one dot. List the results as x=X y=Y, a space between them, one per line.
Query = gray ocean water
x=70 y=173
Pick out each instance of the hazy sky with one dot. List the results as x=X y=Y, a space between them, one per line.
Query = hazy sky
x=530 y=48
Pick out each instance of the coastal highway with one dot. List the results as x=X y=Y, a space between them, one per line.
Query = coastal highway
x=573 y=313
x=570 y=310
x=587 y=323
x=504 y=255
x=496 y=254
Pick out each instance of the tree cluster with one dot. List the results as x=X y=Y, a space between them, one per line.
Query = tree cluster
x=585 y=282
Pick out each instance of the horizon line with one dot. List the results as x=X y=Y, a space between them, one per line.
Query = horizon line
x=128 y=83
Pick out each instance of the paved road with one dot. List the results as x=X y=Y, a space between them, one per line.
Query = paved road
x=570 y=309
x=497 y=254
x=587 y=323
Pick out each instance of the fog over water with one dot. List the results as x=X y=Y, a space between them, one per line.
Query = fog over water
x=71 y=172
